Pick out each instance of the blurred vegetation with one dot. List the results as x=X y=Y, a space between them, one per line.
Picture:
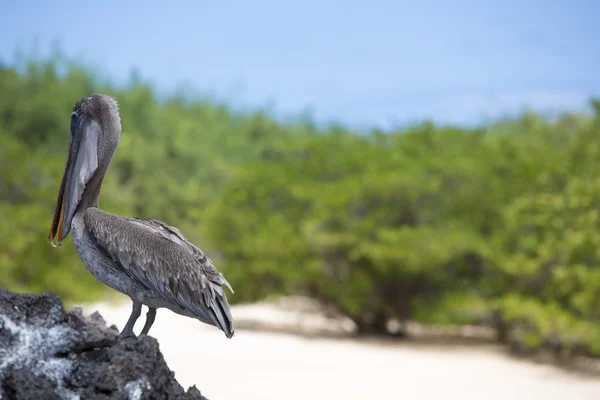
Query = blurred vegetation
x=495 y=225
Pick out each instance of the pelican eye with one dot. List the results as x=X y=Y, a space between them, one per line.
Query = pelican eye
x=74 y=117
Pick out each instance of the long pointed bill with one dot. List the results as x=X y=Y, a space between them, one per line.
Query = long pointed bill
x=82 y=162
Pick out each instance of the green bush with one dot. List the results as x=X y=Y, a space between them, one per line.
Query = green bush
x=441 y=225
x=495 y=225
x=549 y=266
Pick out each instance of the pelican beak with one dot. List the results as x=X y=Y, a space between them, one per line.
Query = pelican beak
x=82 y=162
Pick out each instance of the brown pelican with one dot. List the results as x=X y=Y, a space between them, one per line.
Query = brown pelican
x=148 y=260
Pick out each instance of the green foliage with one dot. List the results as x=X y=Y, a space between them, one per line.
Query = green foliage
x=444 y=225
x=496 y=225
x=550 y=260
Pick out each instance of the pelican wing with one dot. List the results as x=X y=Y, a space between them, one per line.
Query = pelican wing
x=160 y=258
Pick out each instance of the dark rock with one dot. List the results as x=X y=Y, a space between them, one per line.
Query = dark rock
x=46 y=353
x=23 y=384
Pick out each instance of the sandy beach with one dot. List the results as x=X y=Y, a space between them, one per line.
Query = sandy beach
x=262 y=365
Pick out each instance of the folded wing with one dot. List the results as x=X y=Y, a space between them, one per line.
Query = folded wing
x=160 y=259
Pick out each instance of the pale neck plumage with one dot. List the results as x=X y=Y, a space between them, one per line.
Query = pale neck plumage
x=107 y=147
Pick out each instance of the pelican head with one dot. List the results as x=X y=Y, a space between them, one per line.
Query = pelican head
x=95 y=133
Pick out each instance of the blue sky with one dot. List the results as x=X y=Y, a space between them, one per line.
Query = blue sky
x=361 y=63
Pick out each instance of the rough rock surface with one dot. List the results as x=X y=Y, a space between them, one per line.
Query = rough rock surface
x=46 y=353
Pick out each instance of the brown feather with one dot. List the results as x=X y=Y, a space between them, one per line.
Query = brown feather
x=160 y=258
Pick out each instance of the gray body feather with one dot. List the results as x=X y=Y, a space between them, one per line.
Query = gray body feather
x=152 y=263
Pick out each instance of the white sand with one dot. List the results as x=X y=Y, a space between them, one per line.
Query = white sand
x=257 y=365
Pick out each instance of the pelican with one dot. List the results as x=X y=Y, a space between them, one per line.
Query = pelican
x=145 y=259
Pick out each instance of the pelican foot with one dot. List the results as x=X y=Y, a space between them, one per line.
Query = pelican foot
x=127 y=333
x=135 y=313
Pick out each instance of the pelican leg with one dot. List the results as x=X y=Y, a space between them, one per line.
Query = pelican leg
x=150 y=315
x=135 y=314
